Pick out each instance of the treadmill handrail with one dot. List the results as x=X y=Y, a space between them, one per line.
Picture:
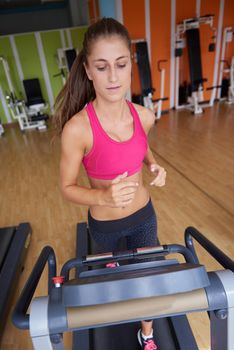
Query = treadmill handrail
x=20 y=318
x=210 y=247
x=161 y=250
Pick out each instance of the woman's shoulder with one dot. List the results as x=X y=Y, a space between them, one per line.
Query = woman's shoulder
x=77 y=127
x=78 y=123
x=146 y=115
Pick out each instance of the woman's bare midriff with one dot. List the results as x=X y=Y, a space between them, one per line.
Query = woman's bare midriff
x=141 y=198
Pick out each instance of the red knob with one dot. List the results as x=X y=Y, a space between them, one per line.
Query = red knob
x=58 y=279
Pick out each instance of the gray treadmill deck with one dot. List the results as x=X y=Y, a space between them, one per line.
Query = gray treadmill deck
x=125 y=285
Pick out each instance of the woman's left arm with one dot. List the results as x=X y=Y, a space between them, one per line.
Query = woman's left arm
x=156 y=169
x=148 y=119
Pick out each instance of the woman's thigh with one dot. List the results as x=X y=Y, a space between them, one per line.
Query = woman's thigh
x=144 y=235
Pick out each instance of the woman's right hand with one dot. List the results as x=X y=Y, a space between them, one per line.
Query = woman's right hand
x=120 y=193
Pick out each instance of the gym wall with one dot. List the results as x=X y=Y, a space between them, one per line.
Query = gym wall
x=156 y=21
x=33 y=55
x=228 y=21
x=94 y=12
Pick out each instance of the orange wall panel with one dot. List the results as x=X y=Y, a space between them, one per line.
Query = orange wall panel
x=208 y=58
x=160 y=22
x=134 y=20
x=93 y=6
x=228 y=13
x=229 y=22
x=134 y=17
x=184 y=10
x=91 y=10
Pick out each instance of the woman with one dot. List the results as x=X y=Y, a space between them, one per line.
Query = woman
x=108 y=134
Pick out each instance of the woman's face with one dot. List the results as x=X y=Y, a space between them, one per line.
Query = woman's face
x=109 y=67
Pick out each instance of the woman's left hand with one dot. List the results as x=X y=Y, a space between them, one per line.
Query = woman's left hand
x=160 y=173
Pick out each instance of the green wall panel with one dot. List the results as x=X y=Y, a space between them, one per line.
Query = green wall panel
x=66 y=38
x=26 y=46
x=3 y=118
x=30 y=60
x=51 y=42
x=77 y=35
x=7 y=53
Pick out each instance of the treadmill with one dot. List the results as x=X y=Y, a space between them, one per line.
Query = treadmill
x=171 y=333
x=14 y=242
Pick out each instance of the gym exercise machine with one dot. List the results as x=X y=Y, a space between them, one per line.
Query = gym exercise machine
x=142 y=59
x=29 y=114
x=65 y=58
x=226 y=75
x=187 y=34
x=14 y=243
x=103 y=306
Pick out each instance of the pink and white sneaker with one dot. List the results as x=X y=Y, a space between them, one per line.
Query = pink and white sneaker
x=112 y=264
x=146 y=344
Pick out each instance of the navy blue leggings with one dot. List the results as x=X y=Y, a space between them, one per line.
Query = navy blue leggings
x=139 y=229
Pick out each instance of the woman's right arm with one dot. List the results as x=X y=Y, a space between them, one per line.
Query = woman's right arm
x=120 y=192
x=72 y=152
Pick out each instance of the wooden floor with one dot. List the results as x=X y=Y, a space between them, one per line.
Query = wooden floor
x=197 y=152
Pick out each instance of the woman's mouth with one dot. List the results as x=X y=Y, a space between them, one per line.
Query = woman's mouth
x=113 y=87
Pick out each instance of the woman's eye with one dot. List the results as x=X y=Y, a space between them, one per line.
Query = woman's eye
x=122 y=65
x=101 y=68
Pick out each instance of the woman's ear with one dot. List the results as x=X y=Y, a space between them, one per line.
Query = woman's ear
x=87 y=71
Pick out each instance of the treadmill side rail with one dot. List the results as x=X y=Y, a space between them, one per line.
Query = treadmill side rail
x=39 y=328
x=222 y=335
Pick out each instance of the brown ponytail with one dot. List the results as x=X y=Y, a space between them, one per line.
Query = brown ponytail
x=78 y=89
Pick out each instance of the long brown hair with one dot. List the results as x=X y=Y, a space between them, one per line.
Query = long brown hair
x=78 y=89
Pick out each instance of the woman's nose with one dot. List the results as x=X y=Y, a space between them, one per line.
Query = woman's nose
x=112 y=74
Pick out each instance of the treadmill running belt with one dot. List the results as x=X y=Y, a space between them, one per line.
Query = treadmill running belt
x=123 y=337
x=6 y=235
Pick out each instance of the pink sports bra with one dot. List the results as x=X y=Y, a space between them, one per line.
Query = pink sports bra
x=109 y=158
